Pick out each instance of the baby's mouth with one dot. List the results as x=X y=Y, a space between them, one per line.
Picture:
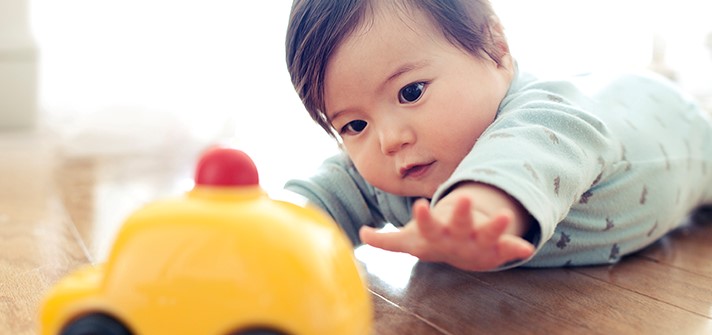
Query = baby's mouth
x=415 y=170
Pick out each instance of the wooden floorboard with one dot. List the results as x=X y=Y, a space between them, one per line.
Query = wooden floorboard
x=58 y=213
x=687 y=248
x=460 y=304
x=389 y=316
x=38 y=244
x=594 y=306
x=678 y=287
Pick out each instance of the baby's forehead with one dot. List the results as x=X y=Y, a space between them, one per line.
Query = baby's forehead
x=405 y=11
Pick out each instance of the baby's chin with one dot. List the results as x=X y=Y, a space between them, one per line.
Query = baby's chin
x=419 y=191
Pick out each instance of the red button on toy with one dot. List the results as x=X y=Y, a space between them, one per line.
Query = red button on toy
x=226 y=167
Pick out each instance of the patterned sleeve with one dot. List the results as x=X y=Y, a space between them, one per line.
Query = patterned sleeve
x=544 y=150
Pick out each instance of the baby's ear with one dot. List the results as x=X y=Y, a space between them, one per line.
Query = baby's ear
x=496 y=31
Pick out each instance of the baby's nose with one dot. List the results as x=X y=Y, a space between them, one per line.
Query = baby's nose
x=395 y=137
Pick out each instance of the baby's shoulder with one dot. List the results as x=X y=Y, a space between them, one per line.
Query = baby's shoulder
x=585 y=89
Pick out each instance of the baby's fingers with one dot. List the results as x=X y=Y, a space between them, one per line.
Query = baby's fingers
x=391 y=241
x=512 y=248
x=428 y=227
x=461 y=221
x=492 y=230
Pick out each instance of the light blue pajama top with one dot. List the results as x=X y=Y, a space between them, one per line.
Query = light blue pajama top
x=605 y=165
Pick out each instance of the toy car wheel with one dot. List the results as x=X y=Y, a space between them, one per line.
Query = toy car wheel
x=96 y=324
x=258 y=331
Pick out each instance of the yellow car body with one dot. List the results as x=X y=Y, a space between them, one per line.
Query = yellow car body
x=220 y=260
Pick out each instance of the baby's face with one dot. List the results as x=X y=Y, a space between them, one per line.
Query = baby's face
x=407 y=103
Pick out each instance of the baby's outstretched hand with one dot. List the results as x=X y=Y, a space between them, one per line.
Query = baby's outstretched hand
x=455 y=233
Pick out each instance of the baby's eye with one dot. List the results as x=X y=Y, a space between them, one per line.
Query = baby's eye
x=354 y=127
x=411 y=93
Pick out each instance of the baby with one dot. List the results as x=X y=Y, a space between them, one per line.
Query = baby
x=481 y=165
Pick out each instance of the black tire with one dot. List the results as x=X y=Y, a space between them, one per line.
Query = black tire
x=259 y=331
x=96 y=324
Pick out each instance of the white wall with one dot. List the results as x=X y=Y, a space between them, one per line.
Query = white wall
x=18 y=67
x=566 y=36
x=134 y=76
x=128 y=76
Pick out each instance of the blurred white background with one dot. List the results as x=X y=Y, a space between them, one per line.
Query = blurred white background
x=123 y=77
x=134 y=76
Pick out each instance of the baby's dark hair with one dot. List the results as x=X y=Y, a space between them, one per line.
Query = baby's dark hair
x=317 y=27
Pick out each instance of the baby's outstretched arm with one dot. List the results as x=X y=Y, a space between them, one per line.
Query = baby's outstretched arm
x=476 y=227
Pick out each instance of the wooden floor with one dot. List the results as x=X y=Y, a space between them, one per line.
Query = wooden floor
x=57 y=213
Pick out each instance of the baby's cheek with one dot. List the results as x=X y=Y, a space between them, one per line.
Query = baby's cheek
x=373 y=170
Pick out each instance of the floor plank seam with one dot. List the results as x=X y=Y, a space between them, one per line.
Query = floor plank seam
x=526 y=302
x=671 y=265
x=61 y=208
x=647 y=296
x=426 y=321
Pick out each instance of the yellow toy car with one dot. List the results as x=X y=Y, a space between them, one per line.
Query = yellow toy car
x=224 y=259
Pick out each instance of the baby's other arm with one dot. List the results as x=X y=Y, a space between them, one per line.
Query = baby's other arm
x=476 y=227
